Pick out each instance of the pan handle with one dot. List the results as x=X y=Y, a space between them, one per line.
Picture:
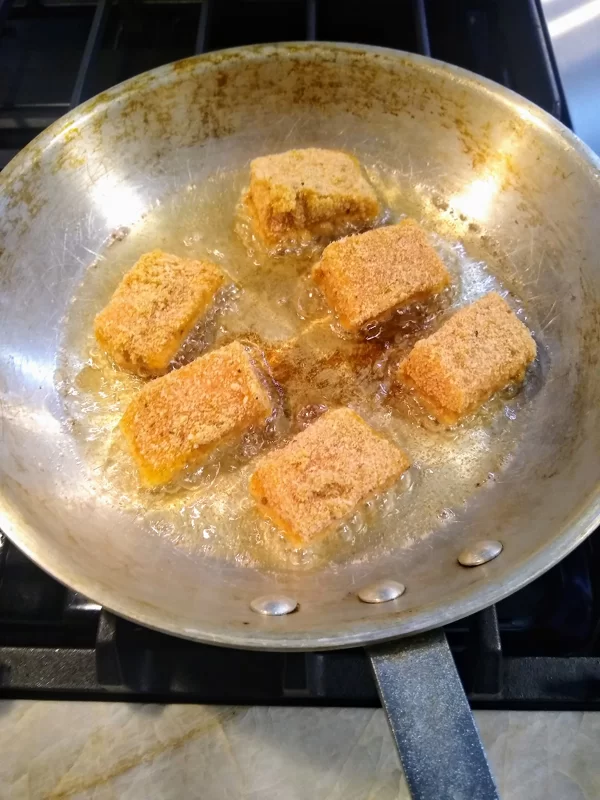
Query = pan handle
x=435 y=732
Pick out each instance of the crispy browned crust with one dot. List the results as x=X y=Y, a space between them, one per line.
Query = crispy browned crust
x=324 y=473
x=177 y=420
x=367 y=276
x=478 y=351
x=154 y=308
x=304 y=193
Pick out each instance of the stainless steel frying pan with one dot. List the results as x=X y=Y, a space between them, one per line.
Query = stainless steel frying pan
x=496 y=172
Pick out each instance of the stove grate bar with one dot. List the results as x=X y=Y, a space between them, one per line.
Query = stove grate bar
x=420 y=15
x=311 y=20
x=202 y=36
x=90 y=52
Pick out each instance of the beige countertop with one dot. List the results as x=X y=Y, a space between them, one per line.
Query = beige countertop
x=119 y=751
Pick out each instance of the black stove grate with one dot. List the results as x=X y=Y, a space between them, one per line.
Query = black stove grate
x=537 y=649
x=56 y=53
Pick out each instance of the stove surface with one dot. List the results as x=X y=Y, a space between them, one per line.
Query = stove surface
x=539 y=648
x=56 y=53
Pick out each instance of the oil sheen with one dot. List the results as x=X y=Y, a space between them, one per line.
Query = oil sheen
x=309 y=365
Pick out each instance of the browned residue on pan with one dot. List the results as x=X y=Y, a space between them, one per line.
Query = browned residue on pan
x=361 y=82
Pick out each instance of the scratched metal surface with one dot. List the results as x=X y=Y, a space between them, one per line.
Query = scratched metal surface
x=510 y=182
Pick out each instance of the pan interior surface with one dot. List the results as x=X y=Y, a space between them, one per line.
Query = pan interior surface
x=508 y=195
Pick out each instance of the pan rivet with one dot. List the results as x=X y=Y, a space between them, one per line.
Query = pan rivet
x=480 y=553
x=381 y=591
x=274 y=605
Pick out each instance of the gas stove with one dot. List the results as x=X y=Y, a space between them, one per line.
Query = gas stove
x=56 y=53
x=539 y=648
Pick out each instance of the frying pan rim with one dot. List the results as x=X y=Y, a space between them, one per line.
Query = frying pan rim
x=583 y=520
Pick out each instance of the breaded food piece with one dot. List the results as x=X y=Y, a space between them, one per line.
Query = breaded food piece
x=367 y=276
x=177 y=420
x=478 y=351
x=305 y=193
x=154 y=308
x=324 y=473
x=318 y=367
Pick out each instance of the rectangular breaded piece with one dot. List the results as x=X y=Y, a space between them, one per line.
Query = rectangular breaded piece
x=177 y=420
x=478 y=351
x=305 y=193
x=324 y=473
x=367 y=276
x=154 y=308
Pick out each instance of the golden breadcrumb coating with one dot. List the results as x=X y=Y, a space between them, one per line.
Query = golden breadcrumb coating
x=367 y=276
x=305 y=193
x=154 y=308
x=324 y=473
x=177 y=420
x=478 y=351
